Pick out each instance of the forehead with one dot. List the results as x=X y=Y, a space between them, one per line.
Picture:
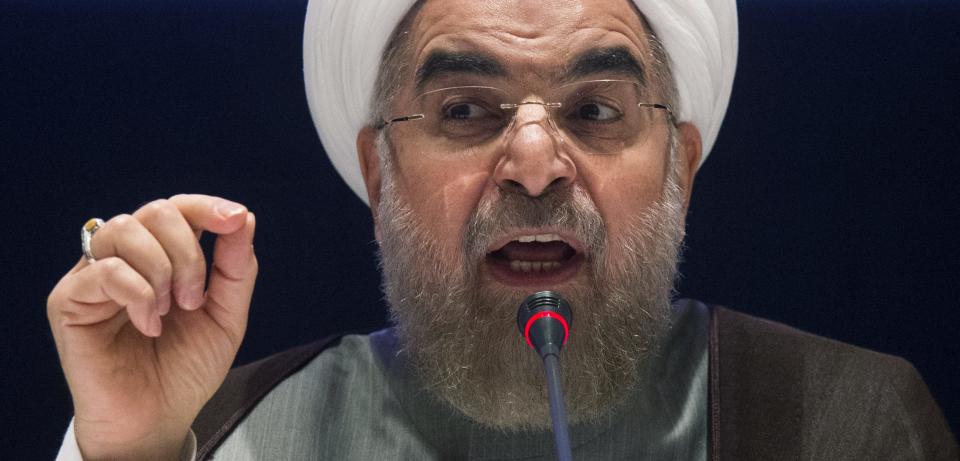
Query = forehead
x=532 y=39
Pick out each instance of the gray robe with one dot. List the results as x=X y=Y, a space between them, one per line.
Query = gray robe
x=766 y=391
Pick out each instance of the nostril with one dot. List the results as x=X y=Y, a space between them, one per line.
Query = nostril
x=509 y=185
x=557 y=183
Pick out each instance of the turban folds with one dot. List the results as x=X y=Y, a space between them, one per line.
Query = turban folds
x=344 y=39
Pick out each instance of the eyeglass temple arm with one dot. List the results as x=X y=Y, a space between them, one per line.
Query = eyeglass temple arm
x=673 y=117
x=405 y=118
x=657 y=106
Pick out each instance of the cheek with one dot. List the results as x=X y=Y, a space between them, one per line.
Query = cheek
x=442 y=194
x=624 y=186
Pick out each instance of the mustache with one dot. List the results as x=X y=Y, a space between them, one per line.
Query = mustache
x=567 y=209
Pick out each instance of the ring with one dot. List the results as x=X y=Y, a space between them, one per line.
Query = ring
x=86 y=235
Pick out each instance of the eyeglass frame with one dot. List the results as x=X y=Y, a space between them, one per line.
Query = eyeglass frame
x=514 y=106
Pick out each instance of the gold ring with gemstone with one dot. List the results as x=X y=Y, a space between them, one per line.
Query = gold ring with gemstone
x=86 y=235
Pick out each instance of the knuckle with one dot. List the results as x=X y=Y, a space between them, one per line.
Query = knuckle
x=110 y=266
x=178 y=198
x=163 y=269
x=138 y=245
x=67 y=318
x=123 y=222
x=194 y=259
x=157 y=210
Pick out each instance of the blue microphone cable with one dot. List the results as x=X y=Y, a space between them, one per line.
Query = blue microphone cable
x=544 y=319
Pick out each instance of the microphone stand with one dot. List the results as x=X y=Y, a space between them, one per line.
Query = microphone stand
x=544 y=319
x=558 y=408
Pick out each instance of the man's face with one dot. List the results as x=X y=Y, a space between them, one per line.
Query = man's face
x=534 y=44
x=458 y=217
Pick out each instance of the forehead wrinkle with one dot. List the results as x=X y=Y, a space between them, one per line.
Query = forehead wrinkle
x=527 y=50
x=537 y=65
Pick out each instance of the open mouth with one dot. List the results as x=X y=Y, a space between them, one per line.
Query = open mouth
x=535 y=258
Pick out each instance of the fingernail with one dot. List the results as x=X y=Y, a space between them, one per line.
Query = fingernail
x=155 y=326
x=163 y=303
x=195 y=296
x=227 y=208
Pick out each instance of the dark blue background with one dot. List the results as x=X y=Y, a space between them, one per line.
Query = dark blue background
x=829 y=202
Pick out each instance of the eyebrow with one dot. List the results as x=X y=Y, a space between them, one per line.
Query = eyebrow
x=616 y=60
x=441 y=62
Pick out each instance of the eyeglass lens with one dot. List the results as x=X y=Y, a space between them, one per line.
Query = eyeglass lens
x=598 y=116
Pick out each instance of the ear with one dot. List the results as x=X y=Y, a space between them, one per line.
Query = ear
x=691 y=150
x=369 y=160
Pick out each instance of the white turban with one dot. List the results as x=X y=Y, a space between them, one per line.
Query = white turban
x=343 y=41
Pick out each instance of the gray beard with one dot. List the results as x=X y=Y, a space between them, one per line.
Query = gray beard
x=461 y=336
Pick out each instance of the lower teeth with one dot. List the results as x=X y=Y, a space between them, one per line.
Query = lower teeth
x=533 y=266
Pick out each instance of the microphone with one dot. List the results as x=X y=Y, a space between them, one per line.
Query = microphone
x=544 y=320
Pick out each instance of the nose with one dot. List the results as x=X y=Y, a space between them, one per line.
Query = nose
x=533 y=160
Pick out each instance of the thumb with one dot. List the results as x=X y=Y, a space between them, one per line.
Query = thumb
x=232 y=277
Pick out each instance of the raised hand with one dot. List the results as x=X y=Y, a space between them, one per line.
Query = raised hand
x=142 y=346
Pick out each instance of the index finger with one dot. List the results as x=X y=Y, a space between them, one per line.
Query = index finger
x=209 y=213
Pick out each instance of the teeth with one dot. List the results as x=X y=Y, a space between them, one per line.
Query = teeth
x=539 y=238
x=548 y=238
x=533 y=266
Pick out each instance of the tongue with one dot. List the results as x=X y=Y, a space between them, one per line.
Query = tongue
x=536 y=251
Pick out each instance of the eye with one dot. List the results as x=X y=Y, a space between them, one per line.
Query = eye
x=596 y=112
x=469 y=118
x=464 y=111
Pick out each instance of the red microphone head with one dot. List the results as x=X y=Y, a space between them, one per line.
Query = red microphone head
x=544 y=320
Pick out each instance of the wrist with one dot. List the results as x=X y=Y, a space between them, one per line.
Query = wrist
x=156 y=446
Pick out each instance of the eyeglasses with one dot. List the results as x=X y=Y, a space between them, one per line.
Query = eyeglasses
x=599 y=116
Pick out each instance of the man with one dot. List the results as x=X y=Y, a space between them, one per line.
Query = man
x=510 y=147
